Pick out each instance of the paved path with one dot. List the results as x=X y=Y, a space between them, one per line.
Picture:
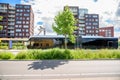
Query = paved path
x=13 y=51
x=60 y=69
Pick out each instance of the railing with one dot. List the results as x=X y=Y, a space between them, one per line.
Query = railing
x=11 y=11
x=10 y=31
x=10 y=23
x=11 y=15
x=11 y=20
x=10 y=27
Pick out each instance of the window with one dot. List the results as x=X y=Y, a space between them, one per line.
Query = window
x=25 y=26
x=17 y=18
x=18 y=10
x=86 y=15
x=20 y=18
x=27 y=10
x=20 y=26
x=27 y=6
x=96 y=31
x=93 y=20
x=27 y=22
x=96 y=19
x=23 y=18
x=90 y=20
x=89 y=23
x=18 y=22
x=86 y=19
x=26 y=30
x=95 y=16
x=27 y=34
x=16 y=34
x=18 y=30
x=86 y=23
x=88 y=27
x=95 y=23
x=23 y=30
x=19 y=6
x=16 y=26
x=23 y=22
x=20 y=34
x=27 y=18
x=27 y=14
x=87 y=31
x=21 y=10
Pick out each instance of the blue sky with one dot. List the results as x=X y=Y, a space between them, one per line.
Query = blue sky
x=12 y=2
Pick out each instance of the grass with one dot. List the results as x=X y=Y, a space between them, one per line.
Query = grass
x=6 y=55
x=56 y=53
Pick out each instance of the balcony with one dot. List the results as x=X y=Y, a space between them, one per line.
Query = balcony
x=11 y=15
x=12 y=8
x=11 y=19
x=10 y=31
x=81 y=25
x=80 y=21
x=10 y=27
x=2 y=10
x=11 y=23
x=3 y=7
x=80 y=17
x=11 y=11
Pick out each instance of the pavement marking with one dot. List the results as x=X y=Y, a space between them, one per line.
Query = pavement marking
x=50 y=75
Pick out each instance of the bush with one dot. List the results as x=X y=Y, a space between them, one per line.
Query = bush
x=22 y=55
x=6 y=55
x=3 y=47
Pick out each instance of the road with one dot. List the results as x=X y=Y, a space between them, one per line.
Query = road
x=60 y=69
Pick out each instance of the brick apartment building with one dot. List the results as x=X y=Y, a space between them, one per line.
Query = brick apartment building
x=91 y=24
x=18 y=21
x=88 y=24
x=106 y=31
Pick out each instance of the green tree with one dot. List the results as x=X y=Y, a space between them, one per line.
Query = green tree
x=1 y=27
x=64 y=23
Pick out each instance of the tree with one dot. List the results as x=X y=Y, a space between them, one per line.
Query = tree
x=1 y=27
x=64 y=23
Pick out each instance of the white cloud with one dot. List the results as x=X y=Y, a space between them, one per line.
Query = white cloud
x=45 y=10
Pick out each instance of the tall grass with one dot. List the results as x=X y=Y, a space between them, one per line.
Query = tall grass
x=57 y=53
x=6 y=55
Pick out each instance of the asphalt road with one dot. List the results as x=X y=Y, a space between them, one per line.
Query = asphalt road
x=60 y=69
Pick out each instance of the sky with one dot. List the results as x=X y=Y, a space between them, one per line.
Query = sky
x=45 y=11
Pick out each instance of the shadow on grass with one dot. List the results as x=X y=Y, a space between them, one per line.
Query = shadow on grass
x=45 y=64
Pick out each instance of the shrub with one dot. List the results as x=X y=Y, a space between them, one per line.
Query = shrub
x=22 y=55
x=3 y=47
x=6 y=55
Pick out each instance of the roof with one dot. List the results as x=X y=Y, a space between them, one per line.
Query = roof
x=61 y=36
x=47 y=36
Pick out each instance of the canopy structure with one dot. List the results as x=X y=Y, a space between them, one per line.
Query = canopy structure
x=87 y=42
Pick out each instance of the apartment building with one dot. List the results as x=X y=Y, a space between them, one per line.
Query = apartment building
x=82 y=12
x=75 y=11
x=4 y=12
x=88 y=24
x=24 y=18
x=18 y=21
x=106 y=31
x=91 y=24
